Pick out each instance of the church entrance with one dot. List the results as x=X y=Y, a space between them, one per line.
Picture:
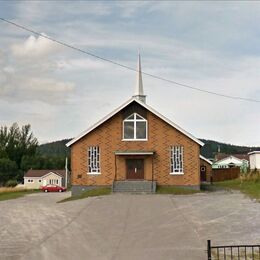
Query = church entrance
x=135 y=169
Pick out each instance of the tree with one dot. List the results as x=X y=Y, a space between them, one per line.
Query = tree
x=16 y=143
x=42 y=162
x=3 y=141
x=8 y=170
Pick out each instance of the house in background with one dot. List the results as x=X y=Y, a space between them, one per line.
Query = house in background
x=229 y=161
x=205 y=169
x=134 y=148
x=219 y=156
x=254 y=159
x=34 y=179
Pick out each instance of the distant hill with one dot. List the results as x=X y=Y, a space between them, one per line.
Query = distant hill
x=210 y=148
x=58 y=148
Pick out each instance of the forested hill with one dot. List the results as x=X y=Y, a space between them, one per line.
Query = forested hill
x=210 y=148
x=57 y=148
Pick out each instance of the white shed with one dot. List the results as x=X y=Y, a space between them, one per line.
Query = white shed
x=254 y=160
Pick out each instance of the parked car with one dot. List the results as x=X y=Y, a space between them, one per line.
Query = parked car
x=52 y=188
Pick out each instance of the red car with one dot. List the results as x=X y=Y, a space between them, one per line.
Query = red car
x=52 y=188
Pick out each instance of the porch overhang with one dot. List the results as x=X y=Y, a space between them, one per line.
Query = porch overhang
x=134 y=152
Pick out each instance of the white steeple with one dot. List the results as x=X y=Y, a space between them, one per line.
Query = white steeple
x=139 y=91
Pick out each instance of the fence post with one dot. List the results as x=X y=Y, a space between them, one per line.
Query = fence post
x=209 y=250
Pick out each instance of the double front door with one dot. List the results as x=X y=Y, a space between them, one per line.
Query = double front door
x=135 y=169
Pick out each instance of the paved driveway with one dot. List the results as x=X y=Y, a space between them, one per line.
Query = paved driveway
x=124 y=226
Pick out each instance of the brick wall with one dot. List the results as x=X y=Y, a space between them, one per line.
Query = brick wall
x=208 y=169
x=160 y=137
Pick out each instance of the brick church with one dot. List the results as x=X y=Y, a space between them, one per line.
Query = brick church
x=134 y=148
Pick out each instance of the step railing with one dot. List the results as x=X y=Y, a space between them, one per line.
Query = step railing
x=233 y=252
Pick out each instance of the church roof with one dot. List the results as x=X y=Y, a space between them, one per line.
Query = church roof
x=133 y=99
x=139 y=98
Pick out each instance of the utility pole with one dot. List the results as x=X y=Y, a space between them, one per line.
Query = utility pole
x=66 y=172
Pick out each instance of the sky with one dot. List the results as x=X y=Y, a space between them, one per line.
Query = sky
x=211 y=45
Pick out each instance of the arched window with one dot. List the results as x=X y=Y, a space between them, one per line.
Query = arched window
x=135 y=128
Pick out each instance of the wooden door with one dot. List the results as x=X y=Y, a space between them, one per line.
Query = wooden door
x=135 y=169
x=203 y=176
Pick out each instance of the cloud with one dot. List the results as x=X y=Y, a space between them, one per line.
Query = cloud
x=81 y=64
x=213 y=46
x=34 y=48
x=28 y=73
x=130 y=9
x=21 y=89
x=42 y=11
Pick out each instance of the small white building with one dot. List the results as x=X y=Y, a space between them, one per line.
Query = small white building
x=34 y=179
x=229 y=162
x=254 y=160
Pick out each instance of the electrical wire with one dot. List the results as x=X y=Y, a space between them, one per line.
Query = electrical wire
x=127 y=67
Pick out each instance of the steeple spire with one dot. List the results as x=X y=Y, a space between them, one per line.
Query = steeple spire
x=139 y=91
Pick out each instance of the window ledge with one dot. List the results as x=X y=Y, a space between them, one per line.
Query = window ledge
x=136 y=140
x=93 y=173
x=176 y=173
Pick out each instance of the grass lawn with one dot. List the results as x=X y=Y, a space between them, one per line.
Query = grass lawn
x=175 y=190
x=9 y=194
x=89 y=193
x=248 y=187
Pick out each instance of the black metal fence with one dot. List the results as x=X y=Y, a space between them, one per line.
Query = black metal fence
x=234 y=252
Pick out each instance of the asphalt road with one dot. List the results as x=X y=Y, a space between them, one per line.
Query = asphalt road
x=125 y=226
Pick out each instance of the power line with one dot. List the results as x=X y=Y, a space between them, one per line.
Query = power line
x=127 y=67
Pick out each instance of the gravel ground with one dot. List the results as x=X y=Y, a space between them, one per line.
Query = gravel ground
x=125 y=226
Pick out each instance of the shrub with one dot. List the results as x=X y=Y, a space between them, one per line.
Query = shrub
x=253 y=175
x=11 y=183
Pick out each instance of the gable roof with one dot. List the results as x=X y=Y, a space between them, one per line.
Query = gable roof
x=254 y=152
x=221 y=156
x=229 y=157
x=205 y=159
x=41 y=173
x=133 y=99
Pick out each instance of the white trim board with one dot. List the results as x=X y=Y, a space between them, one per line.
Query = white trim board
x=229 y=157
x=134 y=153
x=254 y=152
x=39 y=177
x=205 y=159
x=51 y=173
x=143 y=105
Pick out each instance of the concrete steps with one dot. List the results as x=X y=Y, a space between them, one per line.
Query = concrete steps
x=137 y=186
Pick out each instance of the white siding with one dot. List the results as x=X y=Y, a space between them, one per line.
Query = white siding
x=37 y=182
x=32 y=182
x=254 y=161
x=53 y=179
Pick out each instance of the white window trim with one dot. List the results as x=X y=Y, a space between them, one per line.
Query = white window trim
x=171 y=157
x=176 y=173
x=93 y=173
x=129 y=140
x=135 y=120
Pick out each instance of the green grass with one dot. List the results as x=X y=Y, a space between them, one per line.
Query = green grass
x=175 y=190
x=15 y=194
x=89 y=193
x=248 y=187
